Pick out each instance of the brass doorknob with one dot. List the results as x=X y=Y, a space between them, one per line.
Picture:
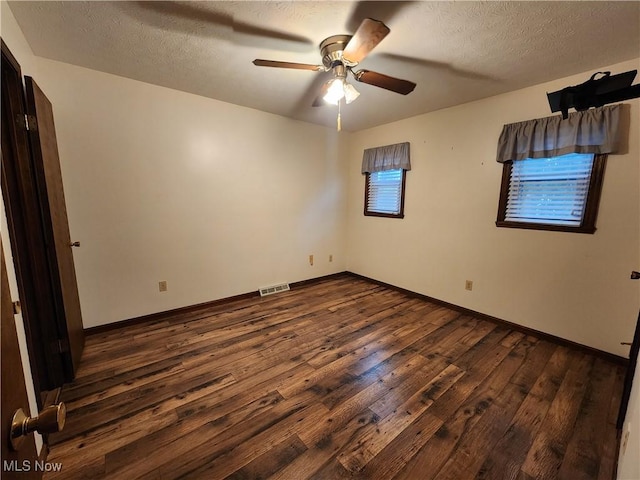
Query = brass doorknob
x=50 y=420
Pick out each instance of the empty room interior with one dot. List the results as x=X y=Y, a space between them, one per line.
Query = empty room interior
x=320 y=240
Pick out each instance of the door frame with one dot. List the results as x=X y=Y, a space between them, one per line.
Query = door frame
x=26 y=233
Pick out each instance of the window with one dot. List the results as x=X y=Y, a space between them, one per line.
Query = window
x=386 y=172
x=384 y=193
x=556 y=193
x=553 y=168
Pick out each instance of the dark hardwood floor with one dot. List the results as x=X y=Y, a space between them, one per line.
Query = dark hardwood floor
x=339 y=379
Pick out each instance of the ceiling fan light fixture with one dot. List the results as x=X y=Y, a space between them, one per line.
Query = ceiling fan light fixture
x=350 y=92
x=338 y=89
x=335 y=91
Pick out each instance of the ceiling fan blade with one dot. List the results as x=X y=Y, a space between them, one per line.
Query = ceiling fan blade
x=319 y=100
x=384 y=11
x=298 y=66
x=208 y=20
x=397 y=85
x=369 y=34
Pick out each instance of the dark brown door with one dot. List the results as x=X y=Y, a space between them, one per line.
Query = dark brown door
x=629 y=377
x=24 y=218
x=38 y=230
x=20 y=464
x=44 y=152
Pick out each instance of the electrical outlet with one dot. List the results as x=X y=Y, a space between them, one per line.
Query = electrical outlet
x=162 y=286
x=468 y=285
x=331 y=258
x=311 y=260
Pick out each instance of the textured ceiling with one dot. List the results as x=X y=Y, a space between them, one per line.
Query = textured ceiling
x=455 y=51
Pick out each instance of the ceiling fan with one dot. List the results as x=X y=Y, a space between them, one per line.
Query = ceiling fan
x=341 y=54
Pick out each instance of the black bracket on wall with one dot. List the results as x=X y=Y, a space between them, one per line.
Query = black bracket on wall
x=595 y=92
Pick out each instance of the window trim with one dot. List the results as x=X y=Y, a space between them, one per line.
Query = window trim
x=588 y=224
x=379 y=214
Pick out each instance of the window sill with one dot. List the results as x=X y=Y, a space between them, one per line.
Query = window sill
x=385 y=215
x=544 y=227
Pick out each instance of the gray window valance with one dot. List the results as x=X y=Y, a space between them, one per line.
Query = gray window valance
x=591 y=131
x=389 y=157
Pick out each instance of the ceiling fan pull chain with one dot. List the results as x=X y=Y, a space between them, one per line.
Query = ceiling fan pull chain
x=339 y=117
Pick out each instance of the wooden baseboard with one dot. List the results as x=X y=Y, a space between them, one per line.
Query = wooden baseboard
x=159 y=316
x=152 y=317
x=610 y=357
x=313 y=281
x=203 y=306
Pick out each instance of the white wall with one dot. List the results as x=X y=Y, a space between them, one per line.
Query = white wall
x=575 y=286
x=214 y=198
x=12 y=36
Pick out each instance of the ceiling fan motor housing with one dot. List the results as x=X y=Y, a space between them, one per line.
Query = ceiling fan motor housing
x=331 y=50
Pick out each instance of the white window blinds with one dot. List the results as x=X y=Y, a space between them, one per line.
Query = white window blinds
x=385 y=192
x=550 y=190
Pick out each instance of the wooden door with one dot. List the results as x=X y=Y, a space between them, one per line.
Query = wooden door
x=44 y=152
x=25 y=228
x=629 y=377
x=20 y=464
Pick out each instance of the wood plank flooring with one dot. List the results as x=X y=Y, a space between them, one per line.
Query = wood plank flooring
x=339 y=379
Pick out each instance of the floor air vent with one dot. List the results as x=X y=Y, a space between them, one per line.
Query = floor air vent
x=283 y=287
